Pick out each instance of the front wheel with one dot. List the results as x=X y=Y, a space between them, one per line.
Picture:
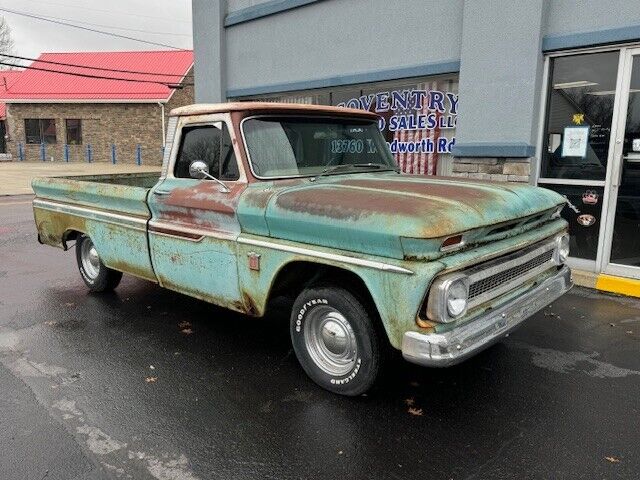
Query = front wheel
x=335 y=340
x=95 y=274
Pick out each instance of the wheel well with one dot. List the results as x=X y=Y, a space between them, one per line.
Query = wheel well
x=70 y=235
x=287 y=282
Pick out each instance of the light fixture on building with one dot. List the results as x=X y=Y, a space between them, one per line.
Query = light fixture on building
x=576 y=84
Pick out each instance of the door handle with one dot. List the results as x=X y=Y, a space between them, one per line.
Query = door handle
x=161 y=192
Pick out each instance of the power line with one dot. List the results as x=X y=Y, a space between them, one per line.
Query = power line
x=111 y=34
x=117 y=28
x=103 y=69
x=109 y=11
x=99 y=77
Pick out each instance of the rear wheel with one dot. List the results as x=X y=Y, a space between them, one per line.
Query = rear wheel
x=95 y=274
x=335 y=340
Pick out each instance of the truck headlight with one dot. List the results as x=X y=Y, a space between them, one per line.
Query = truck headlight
x=561 y=252
x=457 y=296
x=448 y=298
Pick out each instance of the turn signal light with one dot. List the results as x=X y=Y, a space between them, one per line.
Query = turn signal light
x=452 y=243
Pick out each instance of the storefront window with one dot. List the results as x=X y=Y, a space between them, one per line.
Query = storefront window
x=579 y=115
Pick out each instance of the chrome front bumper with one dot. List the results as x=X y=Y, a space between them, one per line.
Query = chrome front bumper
x=454 y=346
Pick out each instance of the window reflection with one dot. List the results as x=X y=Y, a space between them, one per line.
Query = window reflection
x=582 y=93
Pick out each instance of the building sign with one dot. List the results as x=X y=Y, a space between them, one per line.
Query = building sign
x=418 y=123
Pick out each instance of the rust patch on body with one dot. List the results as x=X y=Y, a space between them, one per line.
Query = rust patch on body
x=249 y=304
x=128 y=268
x=346 y=204
x=206 y=195
x=427 y=187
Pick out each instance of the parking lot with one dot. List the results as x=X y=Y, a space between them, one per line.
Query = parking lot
x=146 y=383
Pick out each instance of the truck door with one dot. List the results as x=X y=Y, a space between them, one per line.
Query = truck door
x=193 y=227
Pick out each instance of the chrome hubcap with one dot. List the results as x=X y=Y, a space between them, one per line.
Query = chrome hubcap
x=90 y=259
x=330 y=340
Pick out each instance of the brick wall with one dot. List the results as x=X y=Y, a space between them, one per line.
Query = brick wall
x=500 y=169
x=124 y=124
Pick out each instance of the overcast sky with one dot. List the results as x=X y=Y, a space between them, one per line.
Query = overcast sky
x=171 y=19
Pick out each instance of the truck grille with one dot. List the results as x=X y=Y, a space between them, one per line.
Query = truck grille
x=509 y=275
x=493 y=278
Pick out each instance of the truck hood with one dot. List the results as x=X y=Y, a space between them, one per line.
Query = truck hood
x=371 y=213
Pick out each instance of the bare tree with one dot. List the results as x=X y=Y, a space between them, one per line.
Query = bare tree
x=6 y=43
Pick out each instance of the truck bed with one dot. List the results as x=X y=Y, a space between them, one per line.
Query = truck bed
x=111 y=209
x=123 y=193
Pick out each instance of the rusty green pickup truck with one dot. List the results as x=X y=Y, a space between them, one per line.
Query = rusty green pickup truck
x=257 y=201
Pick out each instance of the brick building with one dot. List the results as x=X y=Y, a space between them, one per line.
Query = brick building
x=7 y=78
x=93 y=106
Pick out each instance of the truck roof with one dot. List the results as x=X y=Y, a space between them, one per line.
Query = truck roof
x=258 y=107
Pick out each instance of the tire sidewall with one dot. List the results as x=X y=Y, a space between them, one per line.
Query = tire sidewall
x=362 y=375
x=93 y=283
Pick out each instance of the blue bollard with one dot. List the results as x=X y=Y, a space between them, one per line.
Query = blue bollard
x=20 y=152
x=43 y=151
x=66 y=152
x=89 y=154
x=113 y=153
x=139 y=154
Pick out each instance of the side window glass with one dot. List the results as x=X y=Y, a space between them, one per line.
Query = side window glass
x=210 y=144
x=228 y=163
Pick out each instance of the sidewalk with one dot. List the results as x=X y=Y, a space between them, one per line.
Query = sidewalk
x=15 y=177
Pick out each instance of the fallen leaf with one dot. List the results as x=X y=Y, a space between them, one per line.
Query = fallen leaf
x=409 y=401
x=612 y=459
x=184 y=324
x=416 y=411
x=51 y=323
x=187 y=331
x=151 y=379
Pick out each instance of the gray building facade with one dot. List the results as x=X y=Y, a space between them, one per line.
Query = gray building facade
x=539 y=91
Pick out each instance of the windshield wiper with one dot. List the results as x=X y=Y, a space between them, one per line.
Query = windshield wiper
x=337 y=168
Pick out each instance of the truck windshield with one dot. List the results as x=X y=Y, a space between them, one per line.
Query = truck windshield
x=299 y=146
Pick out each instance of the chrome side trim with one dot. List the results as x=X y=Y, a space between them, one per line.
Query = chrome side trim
x=460 y=343
x=129 y=221
x=326 y=256
x=198 y=233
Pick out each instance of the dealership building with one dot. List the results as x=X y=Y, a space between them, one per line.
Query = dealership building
x=538 y=91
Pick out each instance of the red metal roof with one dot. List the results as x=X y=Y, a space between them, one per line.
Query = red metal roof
x=7 y=78
x=163 y=66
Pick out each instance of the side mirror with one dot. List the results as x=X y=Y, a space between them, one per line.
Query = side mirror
x=198 y=169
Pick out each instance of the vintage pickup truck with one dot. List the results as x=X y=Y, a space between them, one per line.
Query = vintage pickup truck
x=262 y=200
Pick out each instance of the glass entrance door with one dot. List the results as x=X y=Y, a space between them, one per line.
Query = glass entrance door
x=622 y=232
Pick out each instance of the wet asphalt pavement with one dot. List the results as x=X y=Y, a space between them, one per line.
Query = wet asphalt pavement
x=146 y=383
